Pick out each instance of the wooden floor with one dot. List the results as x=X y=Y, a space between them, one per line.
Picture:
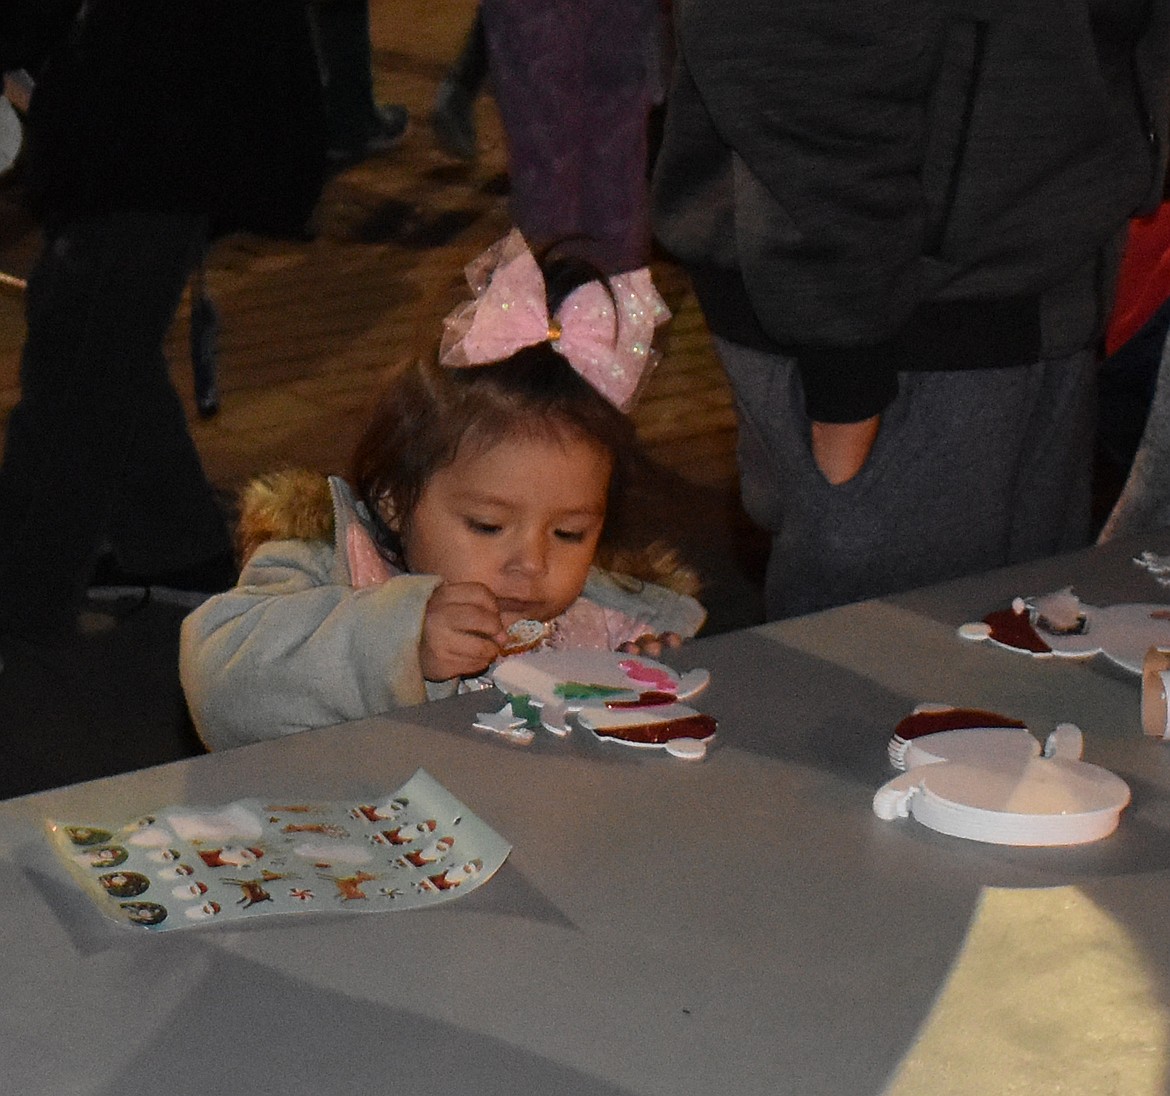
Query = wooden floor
x=308 y=328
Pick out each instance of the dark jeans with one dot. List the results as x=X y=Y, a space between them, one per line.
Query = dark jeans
x=470 y=68
x=343 y=45
x=98 y=450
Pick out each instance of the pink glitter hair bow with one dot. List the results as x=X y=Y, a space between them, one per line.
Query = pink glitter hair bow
x=509 y=312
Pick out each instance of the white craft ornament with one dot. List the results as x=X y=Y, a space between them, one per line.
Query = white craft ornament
x=1121 y=633
x=619 y=697
x=993 y=785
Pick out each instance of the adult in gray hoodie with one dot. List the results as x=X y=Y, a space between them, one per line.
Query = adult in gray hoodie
x=903 y=220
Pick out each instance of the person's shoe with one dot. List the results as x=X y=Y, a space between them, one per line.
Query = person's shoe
x=453 y=121
x=188 y=586
x=393 y=123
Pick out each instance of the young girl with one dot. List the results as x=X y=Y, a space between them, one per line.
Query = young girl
x=483 y=493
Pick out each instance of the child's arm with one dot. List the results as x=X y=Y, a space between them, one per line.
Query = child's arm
x=290 y=649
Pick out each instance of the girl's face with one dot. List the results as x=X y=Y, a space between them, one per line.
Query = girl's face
x=522 y=517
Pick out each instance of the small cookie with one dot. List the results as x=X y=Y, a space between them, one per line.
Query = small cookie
x=524 y=635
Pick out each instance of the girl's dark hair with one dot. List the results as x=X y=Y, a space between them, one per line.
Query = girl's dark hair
x=427 y=412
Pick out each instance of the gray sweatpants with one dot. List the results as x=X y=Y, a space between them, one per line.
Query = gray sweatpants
x=970 y=470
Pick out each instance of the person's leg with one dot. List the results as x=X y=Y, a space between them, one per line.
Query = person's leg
x=453 y=118
x=1053 y=486
x=343 y=35
x=98 y=418
x=970 y=471
x=574 y=101
x=471 y=66
x=357 y=124
x=614 y=131
x=537 y=56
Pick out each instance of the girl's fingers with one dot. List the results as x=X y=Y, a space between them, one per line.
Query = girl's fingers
x=469 y=607
x=652 y=646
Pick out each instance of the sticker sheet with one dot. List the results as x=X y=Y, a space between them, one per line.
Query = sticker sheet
x=183 y=866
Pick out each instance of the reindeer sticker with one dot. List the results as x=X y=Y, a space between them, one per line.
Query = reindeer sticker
x=349 y=887
x=252 y=892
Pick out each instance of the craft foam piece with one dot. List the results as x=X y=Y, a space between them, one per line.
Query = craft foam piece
x=506 y=724
x=621 y=697
x=568 y=677
x=525 y=635
x=652 y=727
x=993 y=785
x=1050 y=801
x=1158 y=566
x=687 y=749
x=932 y=719
x=969 y=746
x=1121 y=633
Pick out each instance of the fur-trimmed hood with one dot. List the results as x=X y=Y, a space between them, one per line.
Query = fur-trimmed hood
x=295 y=504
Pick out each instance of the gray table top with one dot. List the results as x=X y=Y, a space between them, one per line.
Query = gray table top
x=741 y=925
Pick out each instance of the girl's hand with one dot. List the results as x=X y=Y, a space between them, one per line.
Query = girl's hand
x=462 y=631
x=652 y=646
